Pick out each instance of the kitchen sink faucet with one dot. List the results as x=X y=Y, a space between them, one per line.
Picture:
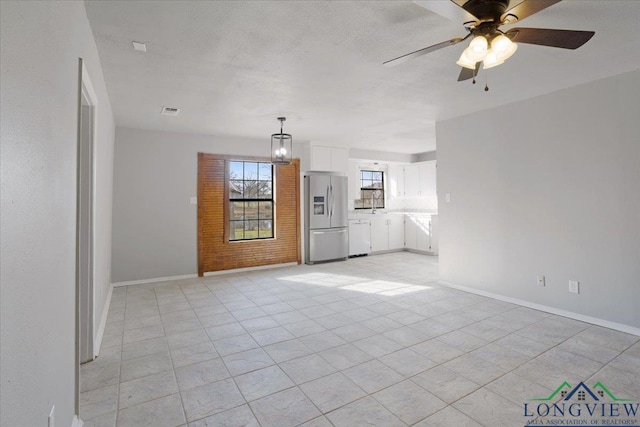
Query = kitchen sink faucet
x=373 y=202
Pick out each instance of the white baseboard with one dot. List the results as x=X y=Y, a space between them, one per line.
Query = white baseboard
x=209 y=273
x=154 y=280
x=581 y=317
x=97 y=341
x=243 y=270
x=77 y=422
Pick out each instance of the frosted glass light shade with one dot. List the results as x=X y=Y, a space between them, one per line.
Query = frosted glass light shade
x=491 y=60
x=465 y=61
x=477 y=48
x=503 y=47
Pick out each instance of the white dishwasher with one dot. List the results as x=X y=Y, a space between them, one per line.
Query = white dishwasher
x=359 y=236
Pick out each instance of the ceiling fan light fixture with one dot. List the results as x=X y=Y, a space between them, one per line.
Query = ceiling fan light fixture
x=491 y=60
x=477 y=49
x=465 y=61
x=503 y=46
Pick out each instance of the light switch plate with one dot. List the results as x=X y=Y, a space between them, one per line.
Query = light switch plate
x=447 y=197
x=541 y=281
x=193 y=200
x=574 y=286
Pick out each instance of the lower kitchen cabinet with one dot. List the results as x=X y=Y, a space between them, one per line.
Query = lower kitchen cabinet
x=421 y=232
x=393 y=232
x=387 y=232
x=396 y=232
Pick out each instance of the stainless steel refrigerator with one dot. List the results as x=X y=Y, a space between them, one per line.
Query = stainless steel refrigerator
x=326 y=221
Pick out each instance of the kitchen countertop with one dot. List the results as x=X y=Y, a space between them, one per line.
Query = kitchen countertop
x=366 y=214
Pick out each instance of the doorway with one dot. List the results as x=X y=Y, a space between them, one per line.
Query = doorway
x=85 y=224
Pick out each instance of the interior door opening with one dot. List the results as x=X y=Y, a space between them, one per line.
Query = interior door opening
x=87 y=104
x=85 y=238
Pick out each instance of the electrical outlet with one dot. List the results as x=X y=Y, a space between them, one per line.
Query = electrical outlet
x=52 y=416
x=540 y=280
x=574 y=286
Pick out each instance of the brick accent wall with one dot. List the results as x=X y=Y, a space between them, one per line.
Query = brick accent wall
x=215 y=252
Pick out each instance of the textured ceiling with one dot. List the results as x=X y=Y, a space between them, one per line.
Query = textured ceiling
x=233 y=67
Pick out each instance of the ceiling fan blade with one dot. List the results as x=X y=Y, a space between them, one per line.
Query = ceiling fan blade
x=448 y=9
x=466 y=73
x=566 y=39
x=528 y=8
x=403 y=58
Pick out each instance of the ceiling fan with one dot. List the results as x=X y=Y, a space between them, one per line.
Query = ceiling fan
x=490 y=45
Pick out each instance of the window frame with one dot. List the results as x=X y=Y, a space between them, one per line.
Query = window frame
x=382 y=190
x=229 y=222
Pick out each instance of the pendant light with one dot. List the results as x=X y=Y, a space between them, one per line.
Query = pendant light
x=281 y=146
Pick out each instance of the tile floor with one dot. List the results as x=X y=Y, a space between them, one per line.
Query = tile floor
x=371 y=341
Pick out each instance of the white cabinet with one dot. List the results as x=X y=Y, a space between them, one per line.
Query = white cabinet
x=359 y=237
x=421 y=232
x=354 y=180
x=434 y=235
x=339 y=160
x=395 y=181
x=427 y=180
x=379 y=234
x=387 y=233
x=412 y=180
x=410 y=232
x=396 y=231
x=331 y=159
x=320 y=158
x=420 y=181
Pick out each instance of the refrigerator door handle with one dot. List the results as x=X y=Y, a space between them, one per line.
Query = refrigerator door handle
x=326 y=203
x=329 y=232
x=333 y=199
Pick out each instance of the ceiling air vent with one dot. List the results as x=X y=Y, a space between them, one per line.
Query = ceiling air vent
x=139 y=46
x=170 y=111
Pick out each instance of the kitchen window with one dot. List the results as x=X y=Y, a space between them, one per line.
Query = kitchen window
x=250 y=200
x=371 y=190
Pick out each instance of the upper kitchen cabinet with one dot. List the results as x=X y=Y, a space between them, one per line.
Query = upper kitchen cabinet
x=395 y=181
x=329 y=159
x=411 y=180
x=354 y=179
x=420 y=181
x=427 y=180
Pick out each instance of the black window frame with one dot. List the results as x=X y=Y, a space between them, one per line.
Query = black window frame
x=363 y=200
x=231 y=222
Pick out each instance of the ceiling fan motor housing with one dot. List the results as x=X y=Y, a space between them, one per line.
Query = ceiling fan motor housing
x=487 y=10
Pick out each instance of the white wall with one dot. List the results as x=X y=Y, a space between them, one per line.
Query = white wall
x=155 y=174
x=41 y=44
x=548 y=186
x=382 y=156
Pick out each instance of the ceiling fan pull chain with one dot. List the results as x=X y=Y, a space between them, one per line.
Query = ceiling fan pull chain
x=475 y=70
x=486 y=78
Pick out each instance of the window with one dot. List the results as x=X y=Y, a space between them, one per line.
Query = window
x=250 y=200
x=371 y=190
